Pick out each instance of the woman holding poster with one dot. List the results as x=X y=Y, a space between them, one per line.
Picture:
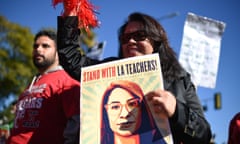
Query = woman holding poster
x=141 y=35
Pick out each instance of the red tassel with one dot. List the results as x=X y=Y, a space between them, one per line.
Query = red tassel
x=84 y=10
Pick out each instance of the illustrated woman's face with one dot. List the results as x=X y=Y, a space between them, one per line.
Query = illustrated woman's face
x=124 y=112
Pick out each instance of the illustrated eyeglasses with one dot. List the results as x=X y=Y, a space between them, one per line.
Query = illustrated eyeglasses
x=137 y=36
x=116 y=107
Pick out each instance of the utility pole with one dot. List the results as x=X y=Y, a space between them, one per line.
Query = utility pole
x=168 y=16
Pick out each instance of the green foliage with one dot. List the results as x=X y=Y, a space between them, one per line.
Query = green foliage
x=7 y=115
x=88 y=38
x=15 y=58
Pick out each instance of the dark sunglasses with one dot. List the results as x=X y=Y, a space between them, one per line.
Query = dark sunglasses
x=137 y=36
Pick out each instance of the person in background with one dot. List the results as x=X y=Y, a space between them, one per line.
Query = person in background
x=47 y=112
x=234 y=130
x=140 y=35
x=4 y=133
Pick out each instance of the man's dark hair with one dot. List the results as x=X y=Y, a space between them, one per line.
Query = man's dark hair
x=51 y=33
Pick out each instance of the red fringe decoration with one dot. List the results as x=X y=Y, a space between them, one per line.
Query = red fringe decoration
x=83 y=9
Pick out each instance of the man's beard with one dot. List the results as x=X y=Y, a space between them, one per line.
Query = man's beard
x=43 y=64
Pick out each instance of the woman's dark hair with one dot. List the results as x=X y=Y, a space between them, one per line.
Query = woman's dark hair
x=157 y=35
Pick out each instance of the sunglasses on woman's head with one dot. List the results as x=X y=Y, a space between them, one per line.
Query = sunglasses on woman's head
x=137 y=36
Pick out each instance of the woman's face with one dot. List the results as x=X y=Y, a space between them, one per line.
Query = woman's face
x=124 y=112
x=134 y=41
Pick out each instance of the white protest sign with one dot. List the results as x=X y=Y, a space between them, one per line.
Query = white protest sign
x=200 y=49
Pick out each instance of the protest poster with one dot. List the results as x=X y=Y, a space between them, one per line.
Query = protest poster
x=200 y=50
x=112 y=101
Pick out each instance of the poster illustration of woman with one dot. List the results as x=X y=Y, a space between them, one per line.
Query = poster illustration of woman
x=113 y=105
